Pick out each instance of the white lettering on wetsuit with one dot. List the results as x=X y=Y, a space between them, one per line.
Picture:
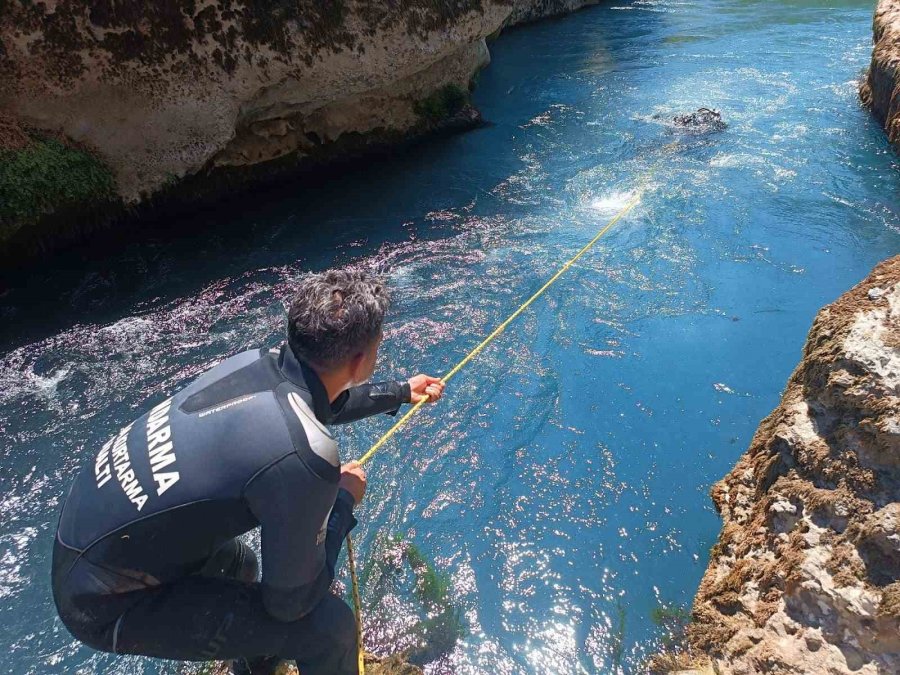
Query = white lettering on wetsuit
x=160 y=448
x=226 y=406
x=122 y=464
x=102 y=472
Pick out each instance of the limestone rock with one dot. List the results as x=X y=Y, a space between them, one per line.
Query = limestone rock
x=805 y=577
x=391 y=665
x=880 y=89
x=192 y=86
x=217 y=95
x=531 y=10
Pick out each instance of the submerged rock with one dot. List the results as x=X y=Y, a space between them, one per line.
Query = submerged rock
x=704 y=120
x=805 y=577
x=390 y=665
x=880 y=88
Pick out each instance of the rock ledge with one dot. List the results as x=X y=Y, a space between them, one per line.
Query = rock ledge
x=805 y=577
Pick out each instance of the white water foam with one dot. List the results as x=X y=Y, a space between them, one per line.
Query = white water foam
x=612 y=203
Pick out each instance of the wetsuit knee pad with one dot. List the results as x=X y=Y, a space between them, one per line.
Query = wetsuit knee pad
x=233 y=560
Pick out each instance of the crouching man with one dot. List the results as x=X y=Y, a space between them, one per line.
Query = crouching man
x=147 y=560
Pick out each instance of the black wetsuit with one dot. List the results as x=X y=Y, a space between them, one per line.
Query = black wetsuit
x=146 y=560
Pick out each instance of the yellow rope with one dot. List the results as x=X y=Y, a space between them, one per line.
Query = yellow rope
x=499 y=329
x=357 y=605
x=459 y=366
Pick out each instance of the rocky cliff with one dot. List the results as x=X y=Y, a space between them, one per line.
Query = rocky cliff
x=880 y=89
x=805 y=577
x=141 y=99
x=532 y=10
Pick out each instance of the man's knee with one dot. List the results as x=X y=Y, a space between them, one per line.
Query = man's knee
x=325 y=640
x=233 y=560
x=345 y=638
x=344 y=622
x=333 y=619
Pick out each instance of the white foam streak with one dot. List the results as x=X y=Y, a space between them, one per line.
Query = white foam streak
x=612 y=203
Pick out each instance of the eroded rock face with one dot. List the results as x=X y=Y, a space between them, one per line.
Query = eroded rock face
x=880 y=89
x=181 y=101
x=531 y=10
x=805 y=577
x=166 y=90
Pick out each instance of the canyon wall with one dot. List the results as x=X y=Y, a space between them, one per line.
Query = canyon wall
x=105 y=104
x=880 y=88
x=805 y=577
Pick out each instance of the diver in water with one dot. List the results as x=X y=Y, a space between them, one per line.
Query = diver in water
x=147 y=560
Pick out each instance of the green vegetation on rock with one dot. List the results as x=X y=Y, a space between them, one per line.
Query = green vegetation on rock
x=399 y=563
x=674 y=651
x=446 y=101
x=673 y=620
x=48 y=177
x=433 y=588
x=617 y=638
x=443 y=625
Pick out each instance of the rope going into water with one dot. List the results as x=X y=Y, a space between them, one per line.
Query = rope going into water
x=357 y=606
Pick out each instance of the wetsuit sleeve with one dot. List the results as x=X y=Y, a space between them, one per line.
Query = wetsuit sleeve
x=292 y=504
x=369 y=399
x=340 y=522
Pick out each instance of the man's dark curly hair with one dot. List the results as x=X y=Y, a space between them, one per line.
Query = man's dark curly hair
x=335 y=315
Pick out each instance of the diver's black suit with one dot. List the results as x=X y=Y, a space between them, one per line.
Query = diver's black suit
x=146 y=560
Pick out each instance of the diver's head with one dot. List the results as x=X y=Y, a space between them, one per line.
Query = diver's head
x=335 y=325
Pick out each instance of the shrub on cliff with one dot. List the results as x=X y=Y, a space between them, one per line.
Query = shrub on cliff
x=45 y=177
x=446 y=101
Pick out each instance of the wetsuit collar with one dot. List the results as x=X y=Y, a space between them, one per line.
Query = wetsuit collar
x=305 y=377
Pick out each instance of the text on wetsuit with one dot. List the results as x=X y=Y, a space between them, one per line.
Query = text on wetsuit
x=160 y=448
x=114 y=455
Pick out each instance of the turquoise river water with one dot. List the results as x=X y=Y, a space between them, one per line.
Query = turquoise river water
x=561 y=488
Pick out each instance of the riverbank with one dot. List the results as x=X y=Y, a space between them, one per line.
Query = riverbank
x=805 y=576
x=880 y=88
x=108 y=116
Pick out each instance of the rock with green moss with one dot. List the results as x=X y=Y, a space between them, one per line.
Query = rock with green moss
x=46 y=178
x=195 y=101
x=433 y=622
x=445 y=102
